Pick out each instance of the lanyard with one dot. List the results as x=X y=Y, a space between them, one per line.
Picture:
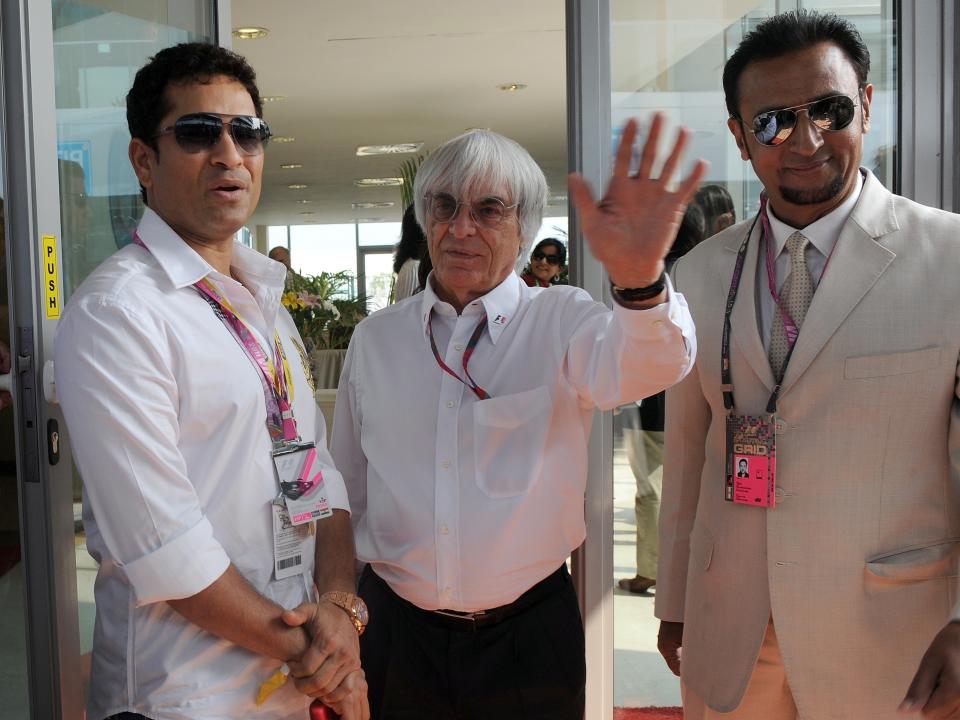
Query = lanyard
x=471 y=346
x=726 y=378
x=274 y=372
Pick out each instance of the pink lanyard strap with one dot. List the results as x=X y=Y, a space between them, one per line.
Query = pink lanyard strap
x=281 y=423
x=467 y=354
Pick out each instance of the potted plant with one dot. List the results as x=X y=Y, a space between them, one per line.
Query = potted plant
x=325 y=312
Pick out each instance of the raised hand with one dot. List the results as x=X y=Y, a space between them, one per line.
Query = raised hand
x=633 y=226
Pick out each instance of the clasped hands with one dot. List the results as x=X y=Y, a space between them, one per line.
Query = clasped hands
x=329 y=668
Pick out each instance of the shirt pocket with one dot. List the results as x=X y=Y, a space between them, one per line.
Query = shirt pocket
x=509 y=435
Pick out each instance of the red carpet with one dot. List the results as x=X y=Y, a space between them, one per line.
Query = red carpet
x=650 y=713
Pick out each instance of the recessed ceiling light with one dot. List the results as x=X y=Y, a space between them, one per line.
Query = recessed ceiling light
x=272 y=98
x=282 y=138
x=371 y=205
x=471 y=129
x=304 y=201
x=394 y=149
x=368 y=220
x=379 y=182
x=250 y=33
x=291 y=166
x=557 y=200
x=307 y=212
x=511 y=87
x=296 y=186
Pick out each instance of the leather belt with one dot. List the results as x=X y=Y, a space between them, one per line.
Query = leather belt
x=472 y=621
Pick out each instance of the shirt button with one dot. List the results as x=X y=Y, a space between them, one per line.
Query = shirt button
x=780 y=493
x=781 y=427
x=445 y=464
x=458 y=347
x=451 y=403
x=444 y=530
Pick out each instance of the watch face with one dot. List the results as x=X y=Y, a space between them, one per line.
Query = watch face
x=360 y=610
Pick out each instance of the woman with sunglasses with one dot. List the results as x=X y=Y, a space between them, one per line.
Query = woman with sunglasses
x=547 y=263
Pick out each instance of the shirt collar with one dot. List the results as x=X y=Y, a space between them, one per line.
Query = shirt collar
x=184 y=266
x=500 y=304
x=823 y=233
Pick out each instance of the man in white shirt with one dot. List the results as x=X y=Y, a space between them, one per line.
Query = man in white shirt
x=829 y=335
x=462 y=421
x=181 y=381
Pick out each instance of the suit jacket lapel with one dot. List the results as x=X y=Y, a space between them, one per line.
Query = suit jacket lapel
x=857 y=263
x=743 y=319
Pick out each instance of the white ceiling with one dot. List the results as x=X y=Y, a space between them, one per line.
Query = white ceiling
x=362 y=72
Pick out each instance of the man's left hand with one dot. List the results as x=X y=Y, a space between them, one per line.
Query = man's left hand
x=935 y=690
x=334 y=650
x=633 y=226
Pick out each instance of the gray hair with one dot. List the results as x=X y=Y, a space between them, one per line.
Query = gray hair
x=484 y=160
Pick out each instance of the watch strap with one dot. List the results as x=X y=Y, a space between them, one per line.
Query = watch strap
x=638 y=294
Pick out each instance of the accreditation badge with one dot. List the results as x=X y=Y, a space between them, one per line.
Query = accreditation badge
x=301 y=483
x=751 y=460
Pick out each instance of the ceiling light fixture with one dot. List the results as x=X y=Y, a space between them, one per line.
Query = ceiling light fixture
x=395 y=149
x=290 y=166
x=307 y=212
x=282 y=139
x=296 y=186
x=272 y=98
x=511 y=87
x=379 y=182
x=557 y=200
x=368 y=220
x=371 y=205
x=250 y=33
x=304 y=201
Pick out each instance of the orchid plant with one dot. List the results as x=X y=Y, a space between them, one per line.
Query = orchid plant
x=323 y=308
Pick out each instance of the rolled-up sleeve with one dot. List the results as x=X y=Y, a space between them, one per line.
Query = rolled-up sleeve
x=120 y=400
x=622 y=355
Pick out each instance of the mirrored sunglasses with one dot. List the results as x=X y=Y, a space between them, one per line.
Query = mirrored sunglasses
x=775 y=126
x=488 y=212
x=542 y=256
x=198 y=132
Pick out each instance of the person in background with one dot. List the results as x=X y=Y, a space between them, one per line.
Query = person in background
x=407 y=256
x=281 y=254
x=642 y=424
x=467 y=475
x=547 y=261
x=717 y=207
x=181 y=407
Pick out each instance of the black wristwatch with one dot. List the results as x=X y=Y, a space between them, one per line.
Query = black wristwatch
x=639 y=294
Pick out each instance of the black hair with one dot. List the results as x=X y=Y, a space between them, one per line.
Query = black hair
x=690 y=233
x=715 y=201
x=182 y=64
x=553 y=242
x=413 y=242
x=788 y=33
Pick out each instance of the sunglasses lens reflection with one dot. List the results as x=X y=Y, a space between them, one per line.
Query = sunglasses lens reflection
x=773 y=128
x=196 y=133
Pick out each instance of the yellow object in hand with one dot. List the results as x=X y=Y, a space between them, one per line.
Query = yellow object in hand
x=272 y=684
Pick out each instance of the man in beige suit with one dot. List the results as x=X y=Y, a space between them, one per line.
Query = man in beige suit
x=825 y=604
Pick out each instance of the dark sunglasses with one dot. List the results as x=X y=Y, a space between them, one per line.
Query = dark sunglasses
x=198 y=132
x=541 y=256
x=773 y=127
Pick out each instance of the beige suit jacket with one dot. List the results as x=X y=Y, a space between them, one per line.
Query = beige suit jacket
x=858 y=561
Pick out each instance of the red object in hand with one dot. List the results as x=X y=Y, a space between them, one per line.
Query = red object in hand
x=319 y=711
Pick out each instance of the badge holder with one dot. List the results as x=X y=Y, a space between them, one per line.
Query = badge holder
x=302 y=500
x=751 y=460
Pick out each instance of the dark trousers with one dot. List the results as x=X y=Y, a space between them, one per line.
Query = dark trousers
x=528 y=666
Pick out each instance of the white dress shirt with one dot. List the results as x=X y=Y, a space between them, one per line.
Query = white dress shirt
x=166 y=418
x=822 y=234
x=464 y=504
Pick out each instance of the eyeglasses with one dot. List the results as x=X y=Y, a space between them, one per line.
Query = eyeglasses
x=775 y=126
x=198 y=132
x=542 y=256
x=488 y=212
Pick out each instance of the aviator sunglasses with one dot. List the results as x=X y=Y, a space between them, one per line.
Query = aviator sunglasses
x=773 y=127
x=488 y=212
x=542 y=256
x=197 y=132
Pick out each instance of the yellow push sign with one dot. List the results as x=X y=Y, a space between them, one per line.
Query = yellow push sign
x=51 y=276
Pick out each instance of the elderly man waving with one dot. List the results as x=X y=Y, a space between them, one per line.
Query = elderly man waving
x=462 y=422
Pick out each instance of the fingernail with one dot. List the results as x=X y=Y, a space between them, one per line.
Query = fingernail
x=907 y=705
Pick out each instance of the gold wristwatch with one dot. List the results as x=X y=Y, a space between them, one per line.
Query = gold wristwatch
x=352 y=605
